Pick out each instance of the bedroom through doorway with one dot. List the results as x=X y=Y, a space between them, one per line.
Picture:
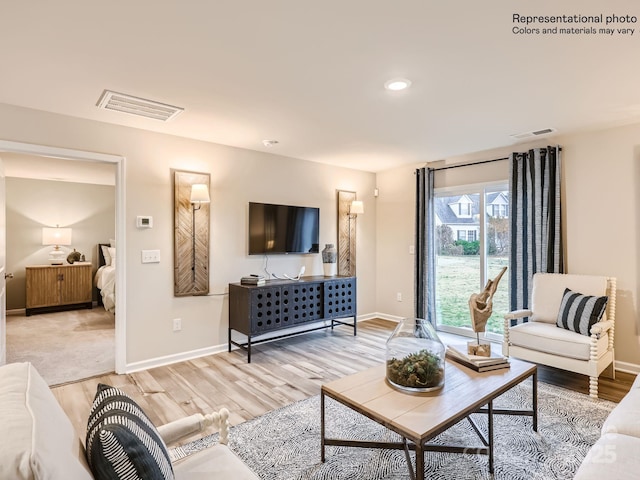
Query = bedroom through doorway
x=68 y=345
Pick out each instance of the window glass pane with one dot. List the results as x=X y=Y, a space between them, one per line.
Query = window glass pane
x=457 y=259
x=497 y=250
x=461 y=251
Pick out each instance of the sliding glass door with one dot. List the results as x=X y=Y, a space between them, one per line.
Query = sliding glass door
x=472 y=246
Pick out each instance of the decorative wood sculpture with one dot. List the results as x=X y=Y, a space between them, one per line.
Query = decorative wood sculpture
x=481 y=307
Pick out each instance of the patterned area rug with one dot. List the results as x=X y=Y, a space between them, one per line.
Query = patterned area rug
x=285 y=443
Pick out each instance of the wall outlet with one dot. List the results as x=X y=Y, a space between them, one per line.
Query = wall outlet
x=177 y=324
x=399 y=296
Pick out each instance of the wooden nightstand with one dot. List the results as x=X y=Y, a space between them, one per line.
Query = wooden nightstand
x=58 y=287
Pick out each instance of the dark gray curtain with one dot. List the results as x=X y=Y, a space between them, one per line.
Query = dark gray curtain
x=536 y=228
x=424 y=282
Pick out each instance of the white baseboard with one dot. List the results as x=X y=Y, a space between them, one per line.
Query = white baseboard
x=175 y=358
x=627 y=367
x=384 y=316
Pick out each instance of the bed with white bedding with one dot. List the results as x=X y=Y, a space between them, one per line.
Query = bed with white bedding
x=105 y=277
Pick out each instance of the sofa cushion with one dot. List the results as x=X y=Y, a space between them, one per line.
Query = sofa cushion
x=613 y=456
x=121 y=440
x=217 y=461
x=37 y=440
x=548 y=338
x=579 y=312
x=625 y=417
x=548 y=289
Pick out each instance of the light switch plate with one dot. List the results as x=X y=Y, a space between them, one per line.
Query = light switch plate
x=150 y=256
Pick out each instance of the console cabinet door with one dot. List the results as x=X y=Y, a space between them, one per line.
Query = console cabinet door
x=340 y=298
x=265 y=309
x=75 y=285
x=42 y=287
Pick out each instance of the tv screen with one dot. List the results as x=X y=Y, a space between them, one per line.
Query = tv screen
x=275 y=229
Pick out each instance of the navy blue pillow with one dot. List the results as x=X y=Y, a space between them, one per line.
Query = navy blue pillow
x=121 y=442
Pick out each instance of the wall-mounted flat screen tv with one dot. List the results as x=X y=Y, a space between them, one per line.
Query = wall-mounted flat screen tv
x=280 y=229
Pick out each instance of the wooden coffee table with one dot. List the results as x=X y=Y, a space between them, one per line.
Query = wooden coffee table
x=419 y=418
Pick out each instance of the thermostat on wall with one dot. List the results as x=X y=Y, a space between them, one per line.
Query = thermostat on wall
x=144 y=221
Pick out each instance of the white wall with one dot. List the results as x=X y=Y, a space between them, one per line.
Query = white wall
x=237 y=177
x=601 y=198
x=33 y=204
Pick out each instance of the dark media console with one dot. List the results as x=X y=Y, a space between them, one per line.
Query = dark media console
x=255 y=311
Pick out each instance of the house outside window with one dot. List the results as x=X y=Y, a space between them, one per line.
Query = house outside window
x=470 y=249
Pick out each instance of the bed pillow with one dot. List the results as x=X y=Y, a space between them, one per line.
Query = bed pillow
x=112 y=242
x=121 y=440
x=579 y=312
x=112 y=255
x=105 y=254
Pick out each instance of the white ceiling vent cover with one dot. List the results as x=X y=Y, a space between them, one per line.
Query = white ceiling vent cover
x=121 y=102
x=535 y=133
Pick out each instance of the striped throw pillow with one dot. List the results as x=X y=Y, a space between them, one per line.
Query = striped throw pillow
x=579 y=312
x=122 y=443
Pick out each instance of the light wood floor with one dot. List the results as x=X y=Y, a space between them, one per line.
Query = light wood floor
x=280 y=373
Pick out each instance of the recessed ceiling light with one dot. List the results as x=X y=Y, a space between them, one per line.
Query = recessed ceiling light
x=396 y=84
x=269 y=143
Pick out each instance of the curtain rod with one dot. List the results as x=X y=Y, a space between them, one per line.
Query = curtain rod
x=469 y=164
x=476 y=163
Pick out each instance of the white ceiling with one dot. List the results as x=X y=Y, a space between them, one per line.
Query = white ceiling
x=311 y=74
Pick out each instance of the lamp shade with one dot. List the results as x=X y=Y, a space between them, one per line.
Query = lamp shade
x=200 y=193
x=56 y=236
x=356 y=208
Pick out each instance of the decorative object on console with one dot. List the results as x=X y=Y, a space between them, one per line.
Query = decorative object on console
x=329 y=259
x=415 y=357
x=348 y=210
x=75 y=257
x=481 y=307
x=191 y=233
x=56 y=236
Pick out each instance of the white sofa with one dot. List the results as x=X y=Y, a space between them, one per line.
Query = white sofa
x=37 y=440
x=615 y=455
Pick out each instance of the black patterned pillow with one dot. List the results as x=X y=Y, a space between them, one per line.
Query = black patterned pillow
x=579 y=312
x=122 y=443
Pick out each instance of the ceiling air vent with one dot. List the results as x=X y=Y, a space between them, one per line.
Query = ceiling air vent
x=535 y=133
x=121 y=102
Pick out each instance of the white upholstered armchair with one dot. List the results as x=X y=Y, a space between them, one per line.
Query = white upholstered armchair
x=541 y=339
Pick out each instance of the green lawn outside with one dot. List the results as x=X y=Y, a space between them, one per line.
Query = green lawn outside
x=457 y=277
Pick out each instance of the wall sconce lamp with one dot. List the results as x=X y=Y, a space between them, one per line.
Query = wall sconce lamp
x=56 y=236
x=199 y=195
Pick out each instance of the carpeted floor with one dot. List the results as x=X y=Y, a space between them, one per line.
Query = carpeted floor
x=64 y=346
x=285 y=443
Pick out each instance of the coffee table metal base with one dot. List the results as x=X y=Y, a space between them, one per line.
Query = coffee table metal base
x=420 y=449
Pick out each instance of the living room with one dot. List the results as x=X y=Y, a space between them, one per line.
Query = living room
x=601 y=181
